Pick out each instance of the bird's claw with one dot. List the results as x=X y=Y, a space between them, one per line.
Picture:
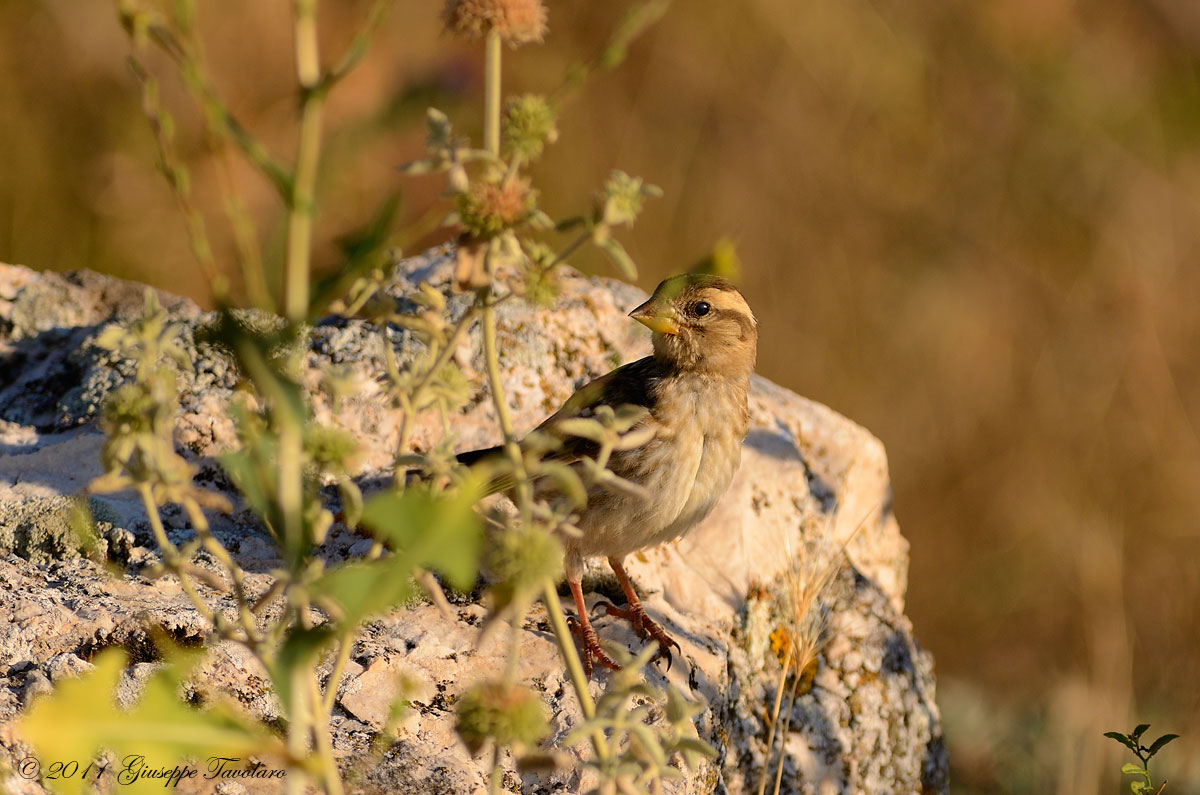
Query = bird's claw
x=590 y=646
x=664 y=649
x=645 y=627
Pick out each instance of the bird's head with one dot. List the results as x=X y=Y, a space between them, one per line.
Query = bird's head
x=701 y=322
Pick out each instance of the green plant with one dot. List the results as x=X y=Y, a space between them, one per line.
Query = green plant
x=1133 y=741
x=311 y=612
x=420 y=528
x=638 y=755
x=501 y=256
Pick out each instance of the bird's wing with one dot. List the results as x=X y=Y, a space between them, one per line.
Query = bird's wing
x=634 y=384
x=631 y=384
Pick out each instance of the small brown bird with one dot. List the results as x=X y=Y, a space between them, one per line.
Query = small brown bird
x=693 y=390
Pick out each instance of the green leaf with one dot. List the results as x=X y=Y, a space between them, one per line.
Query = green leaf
x=632 y=25
x=694 y=750
x=435 y=532
x=722 y=261
x=567 y=224
x=440 y=533
x=417 y=167
x=80 y=719
x=582 y=427
x=1139 y=731
x=361 y=589
x=1131 y=769
x=1157 y=745
x=619 y=257
x=298 y=649
x=679 y=709
x=1123 y=740
x=242 y=470
x=650 y=743
x=567 y=481
x=260 y=344
x=113 y=338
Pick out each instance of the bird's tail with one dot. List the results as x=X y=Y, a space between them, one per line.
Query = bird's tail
x=473 y=457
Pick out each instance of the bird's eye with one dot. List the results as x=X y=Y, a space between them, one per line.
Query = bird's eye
x=701 y=309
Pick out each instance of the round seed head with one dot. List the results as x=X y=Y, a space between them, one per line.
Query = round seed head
x=494 y=711
x=516 y=21
x=488 y=207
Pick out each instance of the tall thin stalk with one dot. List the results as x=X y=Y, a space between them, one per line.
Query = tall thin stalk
x=491 y=93
x=780 y=688
x=298 y=732
x=579 y=680
x=301 y=201
x=305 y=706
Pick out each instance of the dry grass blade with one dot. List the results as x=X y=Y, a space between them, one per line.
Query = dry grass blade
x=807 y=583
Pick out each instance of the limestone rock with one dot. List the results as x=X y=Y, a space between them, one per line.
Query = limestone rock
x=371 y=694
x=810 y=480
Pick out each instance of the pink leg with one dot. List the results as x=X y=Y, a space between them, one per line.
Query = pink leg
x=582 y=628
x=635 y=614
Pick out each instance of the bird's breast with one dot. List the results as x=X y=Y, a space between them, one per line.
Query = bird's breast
x=699 y=424
x=711 y=422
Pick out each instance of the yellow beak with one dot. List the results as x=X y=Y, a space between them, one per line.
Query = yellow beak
x=656 y=318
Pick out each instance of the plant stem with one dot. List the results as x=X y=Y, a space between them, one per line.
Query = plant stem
x=779 y=691
x=491 y=142
x=566 y=647
x=358 y=45
x=571 y=248
x=299 y=724
x=346 y=643
x=173 y=560
x=290 y=493
x=413 y=398
x=218 y=551
x=321 y=732
x=301 y=199
x=514 y=651
x=787 y=722
x=495 y=779
x=491 y=94
x=254 y=277
x=491 y=355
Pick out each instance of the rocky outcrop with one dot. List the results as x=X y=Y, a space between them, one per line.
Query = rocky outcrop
x=811 y=482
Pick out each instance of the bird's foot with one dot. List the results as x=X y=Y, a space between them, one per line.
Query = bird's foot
x=590 y=649
x=645 y=627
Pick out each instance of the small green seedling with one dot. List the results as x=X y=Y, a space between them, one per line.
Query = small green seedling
x=1144 y=754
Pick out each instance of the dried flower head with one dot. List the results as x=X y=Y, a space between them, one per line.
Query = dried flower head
x=490 y=206
x=516 y=21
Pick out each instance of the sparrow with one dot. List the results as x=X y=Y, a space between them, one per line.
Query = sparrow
x=694 y=416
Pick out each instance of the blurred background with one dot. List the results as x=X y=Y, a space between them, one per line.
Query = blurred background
x=972 y=227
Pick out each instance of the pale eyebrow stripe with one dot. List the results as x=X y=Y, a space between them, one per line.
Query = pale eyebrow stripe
x=723 y=299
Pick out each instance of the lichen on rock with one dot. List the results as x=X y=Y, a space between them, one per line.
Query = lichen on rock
x=45 y=529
